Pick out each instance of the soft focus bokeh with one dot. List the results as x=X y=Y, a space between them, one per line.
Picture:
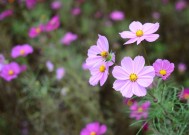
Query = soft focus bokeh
x=52 y=95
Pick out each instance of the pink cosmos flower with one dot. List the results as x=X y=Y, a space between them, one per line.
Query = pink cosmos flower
x=56 y=5
x=53 y=24
x=10 y=71
x=182 y=67
x=139 y=111
x=50 y=66
x=129 y=101
x=184 y=94
x=180 y=5
x=31 y=3
x=99 y=73
x=133 y=77
x=21 y=50
x=68 y=38
x=139 y=32
x=117 y=15
x=100 y=53
x=6 y=13
x=35 y=31
x=163 y=68
x=156 y=15
x=94 y=128
x=60 y=72
x=76 y=11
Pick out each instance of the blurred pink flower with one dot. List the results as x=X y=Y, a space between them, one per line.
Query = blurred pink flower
x=60 y=72
x=180 y=5
x=156 y=15
x=94 y=128
x=2 y=62
x=21 y=50
x=23 y=68
x=10 y=71
x=31 y=3
x=35 y=31
x=50 y=66
x=133 y=77
x=184 y=95
x=139 y=111
x=129 y=101
x=139 y=32
x=76 y=11
x=98 y=14
x=68 y=38
x=53 y=24
x=165 y=1
x=182 y=67
x=117 y=15
x=6 y=13
x=145 y=126
x=84 y=66
x=56 y=4
x=163 y=68
x=99 y=73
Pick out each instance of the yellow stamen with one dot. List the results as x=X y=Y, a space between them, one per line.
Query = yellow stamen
x=93 y=133
x=38 y=30
x=139 y=33
x=140 y=110
x=11 y=72
x=104 y=54
x=163 y=72
x=133 y=77
x=102 y=68
x=22 y=52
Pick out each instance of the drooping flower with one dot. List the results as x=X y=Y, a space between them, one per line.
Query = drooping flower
x=145 y=126
x=180 y=5
x=184 y=95
x=68 y=38
x=139 y=32
x=163 y=68
x=129 y=101
x=50 y=66
x=53 y=24
x=31 y=3
x=117 y=15
x=56 y=4
x=10 y=71
x=182 y=67
x=35 y=31
x=5 y=14
x=99 y=73
x=76 y=11
x=139 y=111
x=94 y=128
x=60 y=72
x=133 y=77
x=21 y=50
x=100 y=53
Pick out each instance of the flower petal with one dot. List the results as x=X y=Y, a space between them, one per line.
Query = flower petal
x=138 y=64
x=151 y=37
x=119 y=73
x=127 y=90
x=104 y=78
x=130 y=41
x=149 y=28
x=102 y=43
x=94 y=79
x=134 y=26
x=127 y=64
x=102 y=129
x=127 y=34
x=138 y=90
x=93 y=51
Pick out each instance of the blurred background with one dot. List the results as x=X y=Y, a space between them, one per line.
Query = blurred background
x=53 y=96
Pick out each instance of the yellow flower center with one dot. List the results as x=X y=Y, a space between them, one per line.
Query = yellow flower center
x=186 y=96
x=22 y=52
x=11 y=72
x=163 y=72
x=140 y=110
x=133 y=77
x=93 y=133
x=102 y=68
x=139 y=33
x=104 y=54
x=38 y=30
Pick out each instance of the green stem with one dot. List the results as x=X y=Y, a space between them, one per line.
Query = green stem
x=145 y=55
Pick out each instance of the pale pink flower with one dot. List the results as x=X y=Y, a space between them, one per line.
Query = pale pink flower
x=60 y=72
x=180 y=5
x=56 y=4
x=133 y=77
x=21 y=50
x=156 y=15
x=68 y=38
x=76 y=11
x=139 y=32
x=182 y=67
x=163 y=68
x=117 y=15
x=50 y=66
x=139 y=111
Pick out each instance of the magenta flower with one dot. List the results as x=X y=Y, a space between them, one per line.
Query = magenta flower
x=76 y=11
x=53 y=24
x=100 y=53
x=50 y=66
x=182 y=67
x=180 y=5
x=31 y=3
x=21 y=50
x=56 y=5
x=163 y=68
x=184 y=94
x=117 y=15
x=10 y=71
x=2 y=62
x=139 y=111
x=60 y=72
x=6 y=13
x=68 y=38
x=133 y=77
x=35 y=31
x=94 y=128
x=129 y=101
x=99 y=73
x=139 y=32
